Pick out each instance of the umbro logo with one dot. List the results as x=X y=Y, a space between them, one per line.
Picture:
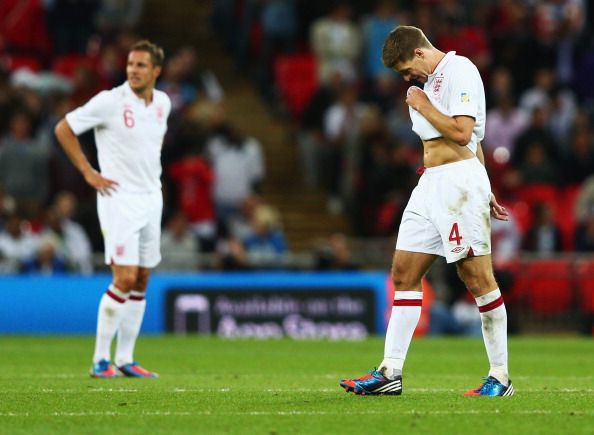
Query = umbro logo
x=457 y=249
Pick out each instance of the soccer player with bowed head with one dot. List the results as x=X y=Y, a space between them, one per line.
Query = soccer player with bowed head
x=129 y=124
x=448 y=213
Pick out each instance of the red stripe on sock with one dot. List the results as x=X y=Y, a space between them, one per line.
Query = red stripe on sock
x=492 y=305
x=408 y=302
x=136 y=298
x=115 y=297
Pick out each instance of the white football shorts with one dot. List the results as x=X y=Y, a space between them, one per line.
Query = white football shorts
x=131 y=227
x=448 y=213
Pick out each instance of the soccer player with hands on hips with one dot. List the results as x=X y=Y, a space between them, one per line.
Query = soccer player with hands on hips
x=129 y=124
x=449 y=211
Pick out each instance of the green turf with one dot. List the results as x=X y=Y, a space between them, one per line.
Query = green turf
x=278 y=387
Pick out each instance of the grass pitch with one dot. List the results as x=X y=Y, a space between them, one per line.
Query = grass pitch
x=282 y=386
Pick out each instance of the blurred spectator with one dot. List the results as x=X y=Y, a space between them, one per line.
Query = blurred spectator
x=71 y=23
x=335 y=254
x=537 y=166
x=466 y=40
x=504 y=124
x=17 y=244
x=71 y=242
x=584 y=213
x=579 y=161
x=375 y=27
x=266 y=245
x=179 y=247
x=544 y=237
x=47 y=260
x=506 y=240
x=24 y=164
x=336 y=43
x=23 y=28
x=536 y=132
x=238 y=166
x=203 y=80
x=173 y=82
x=279 y=32
x=194 y=181
x=231 y=255
x=116 y=15
x=311 y=133
x=342 y=122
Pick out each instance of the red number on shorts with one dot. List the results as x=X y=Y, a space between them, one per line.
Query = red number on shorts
x=455 y=235
x=128 y=119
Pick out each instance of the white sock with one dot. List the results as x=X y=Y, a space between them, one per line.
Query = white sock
x=494 y=325
x=405 y=316
x=130 y=328
x=110 y=312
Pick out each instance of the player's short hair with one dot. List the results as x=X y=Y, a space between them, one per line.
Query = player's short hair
x=400 y=45
x=156 y=52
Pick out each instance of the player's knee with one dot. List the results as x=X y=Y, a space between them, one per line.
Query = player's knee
x=477 y=282
x=402 y=279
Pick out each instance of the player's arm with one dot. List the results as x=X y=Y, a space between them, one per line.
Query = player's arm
x=458 y=129
x=73 y=150
x=497 y=210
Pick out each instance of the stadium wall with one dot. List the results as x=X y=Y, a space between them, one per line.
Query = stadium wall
x=68 y=304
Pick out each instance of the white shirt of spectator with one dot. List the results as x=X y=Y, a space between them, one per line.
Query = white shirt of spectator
x=455 y=88
x=129 y=135
x=235 y=168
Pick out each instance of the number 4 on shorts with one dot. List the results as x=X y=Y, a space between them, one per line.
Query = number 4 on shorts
x=455 y=234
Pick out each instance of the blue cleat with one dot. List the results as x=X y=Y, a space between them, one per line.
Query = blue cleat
x=373 y=383
x=103 y=369
x=492 y=388
x=134 y=370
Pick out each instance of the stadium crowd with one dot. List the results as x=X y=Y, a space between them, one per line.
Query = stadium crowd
x=351 y=124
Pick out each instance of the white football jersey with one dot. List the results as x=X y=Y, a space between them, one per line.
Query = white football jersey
x=129 y=135
x=455 y=88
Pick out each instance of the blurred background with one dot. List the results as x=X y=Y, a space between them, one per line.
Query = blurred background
x=290 y=148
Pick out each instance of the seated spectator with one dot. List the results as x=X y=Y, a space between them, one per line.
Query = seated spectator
x=336 y=43
x=579 y=162
x=544 y=237
x=194 y=180
x=584 y=235
x=238 y=167
x=231 y=255
x=73 y=243
x=47 y=259
x=24 y=166
x=179 y=247
x=266 y=245
x=335 y=254
x=537 y=167
x=17 y=244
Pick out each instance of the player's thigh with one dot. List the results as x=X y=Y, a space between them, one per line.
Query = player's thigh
x=124 y=276
x=150 y=234
x=408 y=269
x=477 y=274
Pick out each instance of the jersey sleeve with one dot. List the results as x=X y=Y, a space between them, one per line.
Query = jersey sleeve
x=93 y=114
x=466 y=91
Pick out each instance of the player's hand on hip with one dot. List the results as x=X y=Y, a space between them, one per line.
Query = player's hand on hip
x=416 y=98
x=103 y=185
x=497 y=210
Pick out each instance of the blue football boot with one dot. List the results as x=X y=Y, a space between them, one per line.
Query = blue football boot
x=373 y=383
x=492 y=388
x=103 y=369
x=135 y=370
